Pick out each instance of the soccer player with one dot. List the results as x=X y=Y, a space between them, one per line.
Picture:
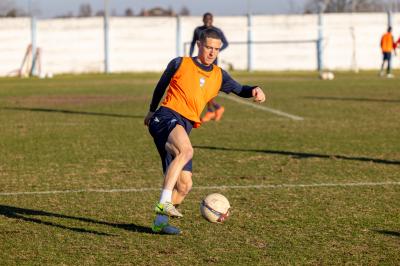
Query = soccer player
x=387 y=46
x=191 y=82
x=214 y=110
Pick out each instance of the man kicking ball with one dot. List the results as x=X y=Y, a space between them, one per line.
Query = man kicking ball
x=191 y=83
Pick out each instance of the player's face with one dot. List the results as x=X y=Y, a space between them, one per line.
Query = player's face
x=208 y=20
x=209 y=50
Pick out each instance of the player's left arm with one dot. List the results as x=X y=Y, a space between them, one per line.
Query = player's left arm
x=230 y=85
x=223 y=39
x=194 y=40
x=258 y=95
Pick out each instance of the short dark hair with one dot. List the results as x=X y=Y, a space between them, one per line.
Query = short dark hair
x=389 y=29
x=209 y=33
x=207 y=14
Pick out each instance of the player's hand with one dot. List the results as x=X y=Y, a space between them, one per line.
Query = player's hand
x=258 y=95
x=147 y=118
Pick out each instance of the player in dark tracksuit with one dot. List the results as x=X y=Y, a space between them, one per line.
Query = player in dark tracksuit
x=207 y=20
x=214 y=110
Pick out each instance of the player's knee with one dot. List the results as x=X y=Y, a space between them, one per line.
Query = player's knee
x=184 y=184
x=184 y=187
x=170 y=149
x=187 y=153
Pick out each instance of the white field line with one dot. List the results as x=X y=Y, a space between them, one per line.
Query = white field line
x=261 y=107
x=272 y=186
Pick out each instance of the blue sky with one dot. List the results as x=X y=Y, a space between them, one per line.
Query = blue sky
x=51 y=8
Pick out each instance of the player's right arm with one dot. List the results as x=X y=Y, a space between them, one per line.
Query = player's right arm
x=161 y=87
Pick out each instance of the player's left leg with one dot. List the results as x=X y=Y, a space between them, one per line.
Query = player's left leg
x=182 y=188
x=210 y=114
x=389 y=66
x=219 y=110
x=381 y=73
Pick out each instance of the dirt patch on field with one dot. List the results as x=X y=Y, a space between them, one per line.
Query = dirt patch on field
x=74 y=100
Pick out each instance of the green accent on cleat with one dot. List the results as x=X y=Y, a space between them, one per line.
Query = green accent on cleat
x=167 y=209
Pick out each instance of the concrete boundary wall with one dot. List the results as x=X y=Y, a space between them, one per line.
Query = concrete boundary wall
x=76 y=45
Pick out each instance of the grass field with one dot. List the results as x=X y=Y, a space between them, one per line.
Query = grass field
x=324 y=190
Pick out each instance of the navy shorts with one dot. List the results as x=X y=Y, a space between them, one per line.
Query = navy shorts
x=161 y=124
x=387 y=56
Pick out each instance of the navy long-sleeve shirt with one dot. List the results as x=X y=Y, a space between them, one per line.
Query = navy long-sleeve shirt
x=228 y=83
x=196 y=37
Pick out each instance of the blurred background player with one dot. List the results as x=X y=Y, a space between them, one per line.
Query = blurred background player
x=191 y=83
x=396 y=45
x=387 y=46
x=214 y=110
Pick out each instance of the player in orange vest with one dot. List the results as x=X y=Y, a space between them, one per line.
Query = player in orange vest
x=191 y=83
x=387 y=46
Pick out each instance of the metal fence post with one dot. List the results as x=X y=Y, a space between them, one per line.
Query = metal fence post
x=106 y=37
x=249 y=43
x=320 y=62
x=33 y=38
x=178 y=36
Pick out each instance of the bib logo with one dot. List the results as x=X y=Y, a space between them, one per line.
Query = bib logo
x=202 y=81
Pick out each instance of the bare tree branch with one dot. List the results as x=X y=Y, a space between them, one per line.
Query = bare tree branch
x=340 y=6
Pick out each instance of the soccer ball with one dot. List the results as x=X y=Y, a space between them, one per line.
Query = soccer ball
x=215 y=208
x=327 y=76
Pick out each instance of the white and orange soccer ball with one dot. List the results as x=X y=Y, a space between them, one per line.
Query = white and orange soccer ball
x=215 y=208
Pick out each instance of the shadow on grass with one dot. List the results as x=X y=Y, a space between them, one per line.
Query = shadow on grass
x=303 y=155
x=70 y=112
x=352 y=99
x=21 y=214
x=387 y=232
